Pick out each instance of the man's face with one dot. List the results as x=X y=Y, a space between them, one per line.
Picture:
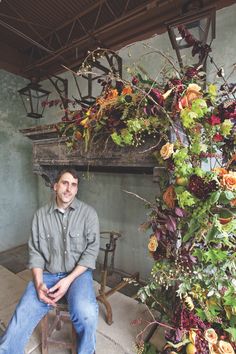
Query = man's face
x=66 y=189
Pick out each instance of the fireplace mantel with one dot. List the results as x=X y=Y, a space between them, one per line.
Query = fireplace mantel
x=50 y=154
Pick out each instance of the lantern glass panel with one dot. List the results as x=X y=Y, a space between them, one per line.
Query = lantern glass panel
x=33 y=97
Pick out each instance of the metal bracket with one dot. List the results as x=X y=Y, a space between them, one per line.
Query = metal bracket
x=61 y=86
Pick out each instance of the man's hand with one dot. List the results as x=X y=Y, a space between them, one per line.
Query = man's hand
x=43 y=296
x=58 y=291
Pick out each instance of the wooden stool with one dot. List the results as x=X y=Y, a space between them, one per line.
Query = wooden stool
x=62 y=315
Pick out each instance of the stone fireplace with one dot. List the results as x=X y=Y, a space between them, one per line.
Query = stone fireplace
x=50 y=154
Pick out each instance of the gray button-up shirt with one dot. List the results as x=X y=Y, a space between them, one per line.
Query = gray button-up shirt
x=61 y=241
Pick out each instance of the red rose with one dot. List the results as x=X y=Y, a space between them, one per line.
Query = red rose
x=214 y=120
x=218 y=137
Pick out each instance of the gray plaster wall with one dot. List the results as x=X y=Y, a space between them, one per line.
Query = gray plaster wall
x=18 y=187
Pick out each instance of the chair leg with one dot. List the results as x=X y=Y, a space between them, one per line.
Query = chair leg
x=58 y=320
x=74 y=340
x=102 y=298
x=44 y=328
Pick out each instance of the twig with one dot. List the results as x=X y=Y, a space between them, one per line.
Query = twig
x=152 y=147
x=137 y=196
x=164 y=56
x=225 y=81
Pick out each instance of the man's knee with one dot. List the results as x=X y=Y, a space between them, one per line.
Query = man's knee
x=86 y=313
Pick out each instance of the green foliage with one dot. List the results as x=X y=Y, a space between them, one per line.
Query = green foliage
x=185 y=198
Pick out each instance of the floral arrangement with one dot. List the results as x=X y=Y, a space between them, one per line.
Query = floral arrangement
x=192 y=222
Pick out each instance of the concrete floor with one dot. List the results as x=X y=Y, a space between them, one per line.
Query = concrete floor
x=119 y=338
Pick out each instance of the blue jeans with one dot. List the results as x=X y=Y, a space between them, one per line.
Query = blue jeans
x=30 y=310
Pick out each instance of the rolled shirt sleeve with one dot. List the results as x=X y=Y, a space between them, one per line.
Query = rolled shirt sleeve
x=92 y=234
x=36 y=259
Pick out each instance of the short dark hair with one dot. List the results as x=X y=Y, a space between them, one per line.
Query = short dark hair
x=72 y=171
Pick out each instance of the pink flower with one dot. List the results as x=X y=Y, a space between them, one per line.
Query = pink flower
x=214 y=120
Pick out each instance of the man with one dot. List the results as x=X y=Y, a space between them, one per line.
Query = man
x=63 y=248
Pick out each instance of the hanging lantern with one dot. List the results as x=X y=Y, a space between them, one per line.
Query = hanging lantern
x=33 y=97
x=191 y=35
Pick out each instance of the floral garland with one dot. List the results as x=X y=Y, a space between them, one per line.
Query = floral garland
x=193 y=222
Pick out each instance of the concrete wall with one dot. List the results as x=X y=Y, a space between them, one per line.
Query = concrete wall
x=18 y=187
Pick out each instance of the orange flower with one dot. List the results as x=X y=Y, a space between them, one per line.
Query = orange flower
x=211 y=336
x=153 y=244
x=167 y=150
x=229 y=180
x=112 y=94
x=78 y=135
x=191 y=94
x=169 y=197
x=225 y=347
x=101 y=101
x=127 y=90
x=220 y=171
x=233 y=202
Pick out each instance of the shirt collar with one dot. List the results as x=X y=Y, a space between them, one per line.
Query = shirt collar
x=53 y=206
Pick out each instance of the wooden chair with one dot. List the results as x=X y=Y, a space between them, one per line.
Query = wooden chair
x=48 y=329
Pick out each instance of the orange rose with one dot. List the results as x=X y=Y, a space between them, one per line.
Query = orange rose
x=127 y=90
x=211 y=336
x=169 y=197
x=191 y=94
x=153 y=244
x=167 y=150
x=229 y=180
x=225 y=347
x=220 y=171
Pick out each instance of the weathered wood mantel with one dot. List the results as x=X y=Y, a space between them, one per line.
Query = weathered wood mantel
x=50 y=154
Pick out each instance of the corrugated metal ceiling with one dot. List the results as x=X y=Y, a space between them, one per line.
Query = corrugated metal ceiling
x=36 y=37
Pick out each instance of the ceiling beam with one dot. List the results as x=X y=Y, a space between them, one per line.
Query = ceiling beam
x=132 y=15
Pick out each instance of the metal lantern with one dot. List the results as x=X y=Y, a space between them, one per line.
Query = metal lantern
x=33 y=97
x=104 y=62
x=191 y=35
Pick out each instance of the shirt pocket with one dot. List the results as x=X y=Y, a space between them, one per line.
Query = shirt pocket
x=45 y=244
x=77 y=241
